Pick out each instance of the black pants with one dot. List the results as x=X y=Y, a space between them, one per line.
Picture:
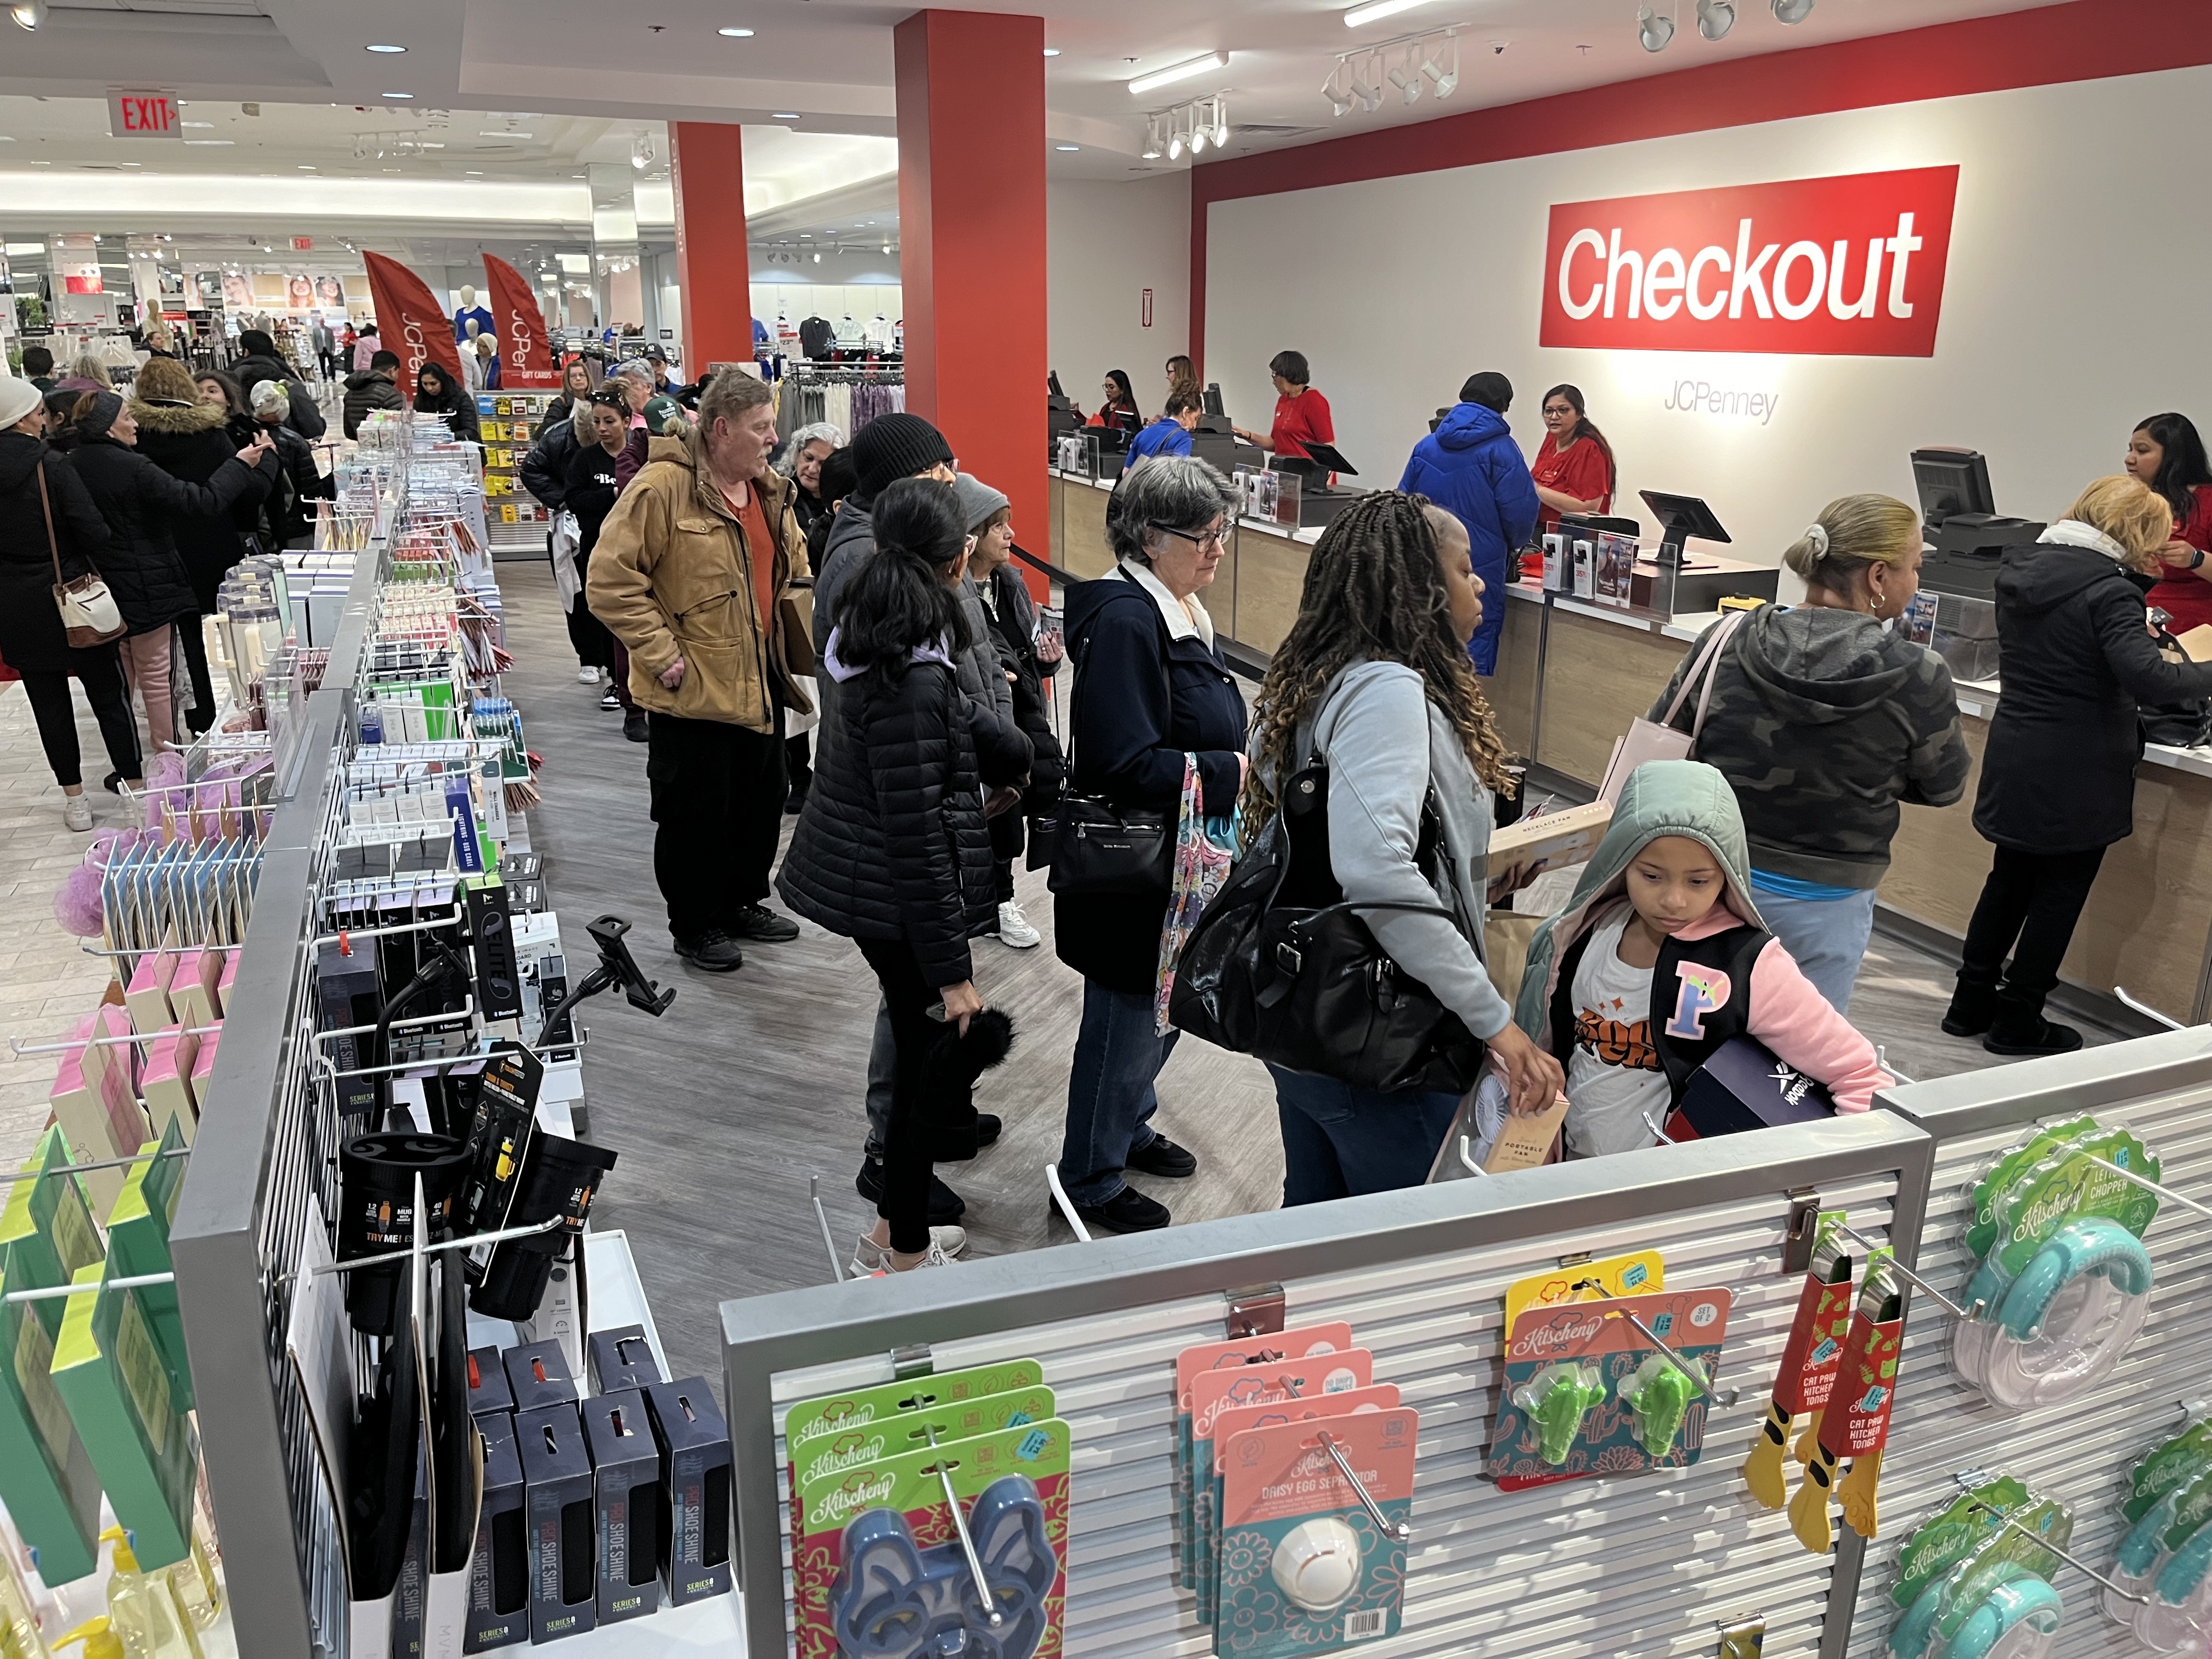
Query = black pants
x=717 y=794
x=2035 y=899
x=193 y=643
x=1006 y=843
x=594 y=644
x=907 y=994
x=796 y=762
x=56 y=715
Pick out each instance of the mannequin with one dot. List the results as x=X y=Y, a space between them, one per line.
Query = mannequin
x=470 y=318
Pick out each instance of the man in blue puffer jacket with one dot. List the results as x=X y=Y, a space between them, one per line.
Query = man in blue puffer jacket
x=1471 y=467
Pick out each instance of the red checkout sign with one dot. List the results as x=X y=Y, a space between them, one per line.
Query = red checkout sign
x=1849 y=266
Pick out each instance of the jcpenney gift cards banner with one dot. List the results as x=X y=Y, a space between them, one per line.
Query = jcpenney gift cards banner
x=1843 y=267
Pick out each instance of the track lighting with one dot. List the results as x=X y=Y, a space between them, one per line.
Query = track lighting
x=1199 y=137
x=640 y=153
x=1220 y=123
x=1716 y=18
x=1655 y=31
x=1152 y=150
x=1175 y=138
x=1408 y=77
x=1446 y=80
x=1370 y=96
x=1792 y=11
x=1338 y=102
x=28 y=14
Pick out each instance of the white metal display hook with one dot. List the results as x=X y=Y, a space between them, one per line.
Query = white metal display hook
x=1968 y=1479
x=989 y=1601
x=11 y=1176
x=1893 y=1265
x=1696 y=1376
x=822 y=1216
x=1399 y=1530
x=1066 y=1204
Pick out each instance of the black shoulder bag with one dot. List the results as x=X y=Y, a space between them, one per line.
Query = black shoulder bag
x=1282 y=967
x=1100 y=848
x=2182 y=725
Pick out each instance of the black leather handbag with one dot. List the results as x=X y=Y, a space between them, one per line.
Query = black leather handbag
x=1103 y=849
x=1283 y=968
x=2182 y=725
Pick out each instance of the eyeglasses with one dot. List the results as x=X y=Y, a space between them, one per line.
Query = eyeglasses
x=1217 y=538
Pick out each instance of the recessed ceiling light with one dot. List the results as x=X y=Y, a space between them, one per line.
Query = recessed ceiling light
x=224 y=142
x=1067 y=147
x=784 y=115
x=473 y=173
x=507 y=134
x=736 y=34
x=195 y=124
x=395 y=94
x=304 y=167
x=1052 y=51
x=1206 y=65
x=1369 y=14
x=387 y=48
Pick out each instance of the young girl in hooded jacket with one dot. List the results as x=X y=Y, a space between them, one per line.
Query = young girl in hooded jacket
x=1661 y=958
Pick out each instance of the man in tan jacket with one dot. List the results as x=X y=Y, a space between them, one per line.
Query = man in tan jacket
x=691 y=572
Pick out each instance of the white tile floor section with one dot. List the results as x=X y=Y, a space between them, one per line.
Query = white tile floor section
x=46 y=983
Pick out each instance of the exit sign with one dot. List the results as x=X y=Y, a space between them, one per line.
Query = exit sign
x=303 y=244
x=142 y=115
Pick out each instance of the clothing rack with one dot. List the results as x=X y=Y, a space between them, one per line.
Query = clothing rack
x=848 y=398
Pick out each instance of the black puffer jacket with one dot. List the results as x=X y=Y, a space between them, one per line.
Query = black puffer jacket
x=31 y=637
x=192 y=441
x=892 y=843
x=545 y=468
x=142 y=504
x=298 y=481
x=365 y=392
x=306 y=418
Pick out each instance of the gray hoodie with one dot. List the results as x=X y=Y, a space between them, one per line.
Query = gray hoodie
x=1371 y=724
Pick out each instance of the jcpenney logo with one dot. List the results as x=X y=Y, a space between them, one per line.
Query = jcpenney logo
x=1849 y=266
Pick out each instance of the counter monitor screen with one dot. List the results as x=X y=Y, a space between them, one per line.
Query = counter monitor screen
x=1681 y=517
x=1052 y=384
x=1212 y=399
x=1952 y=482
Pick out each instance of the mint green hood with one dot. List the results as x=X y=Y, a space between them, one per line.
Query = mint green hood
x=1661 y=798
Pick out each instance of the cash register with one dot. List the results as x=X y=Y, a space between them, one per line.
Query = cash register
x=1965 y=533
x=1214 y=441
x=1320 y=497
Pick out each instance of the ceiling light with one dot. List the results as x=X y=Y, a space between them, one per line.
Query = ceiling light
x=1657 y=31
x=1785 y=11
x=1176 y=145
x=28 y=14
x=887 y=247
x=388 y=49
x=1052 y=51
x=1447 y=79
x=473 y=173
x=226 y=141
x=395 y=94
x=1370 y=97
x=1338 y=102
x=195 y=124
x=736 y=34
x=306 y=167
x=817 y=259
x=1408 y=77
x=783 y=115
x=1206 y=65
x=1220 y=123
x=1716 y=18
x=507 y=134
x=1199 y=137
x=1152 y=149
x=1380 y=9
x=1067 y=147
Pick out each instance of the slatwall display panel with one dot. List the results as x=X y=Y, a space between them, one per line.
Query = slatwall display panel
x=1645 y=1567
x=2079 y=1451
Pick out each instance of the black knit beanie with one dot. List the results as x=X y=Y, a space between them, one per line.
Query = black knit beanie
x=1490 y=389
x=99 y=414
x=895 y=447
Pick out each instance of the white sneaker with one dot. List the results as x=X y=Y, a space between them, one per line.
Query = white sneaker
x=1014 y=927
x=588 y=676
x=76 y=812
x=870 y=1258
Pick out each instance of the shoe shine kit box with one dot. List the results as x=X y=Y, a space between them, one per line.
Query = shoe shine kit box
x=557 y=1479
x=625 y=1503
x=622 y=1358
x=695 y=1498
x=499 y=1567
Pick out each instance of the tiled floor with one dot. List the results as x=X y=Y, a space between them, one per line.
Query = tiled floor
x=47 y=981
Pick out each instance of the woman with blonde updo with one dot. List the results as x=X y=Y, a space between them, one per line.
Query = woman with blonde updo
x=1824 y=720
x=2058 y=777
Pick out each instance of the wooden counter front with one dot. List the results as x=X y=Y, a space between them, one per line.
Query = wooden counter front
x=1271 y=575
x=1598 y=676
x=1083 y=552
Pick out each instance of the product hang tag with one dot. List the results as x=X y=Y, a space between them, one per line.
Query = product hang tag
x=1857 y=1420
x=1814 y=1352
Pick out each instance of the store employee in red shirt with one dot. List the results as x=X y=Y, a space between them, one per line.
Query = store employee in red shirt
x=1301 y=413
x=2166 y=453
x=1574 y=470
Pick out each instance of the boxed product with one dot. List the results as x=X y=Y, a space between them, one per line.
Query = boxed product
x=557 y=1480
x=537 y=1373
x=46 y=1478
x=47 y=1233
x=93 y=1105
x=1549 y=841
x=625 y=1505
x=138 y=1246
x=489 y=1391
x=108 y=1370
x=1743 y=1085
x=147 y=996
x=166 y=1085
x=695 y=1475
x=622 y=1358
x=1559 y=565
x=499 y=1569
x=1584 y=555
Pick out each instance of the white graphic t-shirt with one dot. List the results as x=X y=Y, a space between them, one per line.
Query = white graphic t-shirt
x=1613 y=1074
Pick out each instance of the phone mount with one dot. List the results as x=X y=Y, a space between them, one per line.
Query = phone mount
x=616 y=967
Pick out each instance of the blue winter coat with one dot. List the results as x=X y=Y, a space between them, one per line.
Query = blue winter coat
x=1471 y=467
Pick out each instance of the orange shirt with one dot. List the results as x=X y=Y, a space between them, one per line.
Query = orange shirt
x=760 y=554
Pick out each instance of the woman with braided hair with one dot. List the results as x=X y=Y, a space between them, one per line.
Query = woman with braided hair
x=1374 y=682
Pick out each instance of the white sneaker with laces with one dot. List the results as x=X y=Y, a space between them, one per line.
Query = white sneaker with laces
x=870 y=1258
x=76 y=812
x=1014 y=927
x=588 y=676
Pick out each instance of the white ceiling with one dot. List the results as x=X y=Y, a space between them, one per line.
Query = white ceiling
x=609 y=74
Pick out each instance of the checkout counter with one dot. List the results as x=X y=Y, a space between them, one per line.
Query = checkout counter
x=1572 y=673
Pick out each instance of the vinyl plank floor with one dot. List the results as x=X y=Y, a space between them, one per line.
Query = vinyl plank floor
x=751 y=1085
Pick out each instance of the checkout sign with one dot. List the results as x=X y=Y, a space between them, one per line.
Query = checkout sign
x=1843 y=267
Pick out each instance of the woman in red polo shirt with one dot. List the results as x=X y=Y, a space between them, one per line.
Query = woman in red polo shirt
x=1574 y=470
x=2166 y=453
x=1302 y=414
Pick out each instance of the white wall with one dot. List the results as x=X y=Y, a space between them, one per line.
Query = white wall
x=2073 y=306
x=1104 y=245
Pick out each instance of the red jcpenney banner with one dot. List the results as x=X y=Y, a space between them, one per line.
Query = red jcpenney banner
x=525 y=356
x=410 y=322
x=1845 y=267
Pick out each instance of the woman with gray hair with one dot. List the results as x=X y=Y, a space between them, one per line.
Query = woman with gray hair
x=1151 y=687
x=801 y=463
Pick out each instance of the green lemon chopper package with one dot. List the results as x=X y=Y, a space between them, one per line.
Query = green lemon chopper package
x=1306 y=1567
x=2064 y=1282
x=138 y=1248
x=817 y=1428
x=1215 y=1392
x=1810 y=1359
x=1300 y=1342
x=2164 y=1559
x=1966 y=1579
x=2175 y=1461
x=46 y=1234
x=1562 y=1414
x=878 y=1566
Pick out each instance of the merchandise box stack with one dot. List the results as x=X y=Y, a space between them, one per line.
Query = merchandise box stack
x=508 y=422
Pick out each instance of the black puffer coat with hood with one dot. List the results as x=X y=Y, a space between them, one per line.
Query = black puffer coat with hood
x=31 y=636
x=192 y=441
x=2074 y=659
x=142 y=505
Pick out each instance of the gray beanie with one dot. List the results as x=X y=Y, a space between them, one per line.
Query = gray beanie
x=978 y=501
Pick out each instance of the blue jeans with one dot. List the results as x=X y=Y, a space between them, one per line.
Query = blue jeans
x=1828 y=937
x=1339 y=1142
x=1110 y=1100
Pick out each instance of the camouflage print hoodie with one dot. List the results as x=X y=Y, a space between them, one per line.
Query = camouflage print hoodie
x=1823 y=722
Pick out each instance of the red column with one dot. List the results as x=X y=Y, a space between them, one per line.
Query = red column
x=971 y=246
x=706 y=165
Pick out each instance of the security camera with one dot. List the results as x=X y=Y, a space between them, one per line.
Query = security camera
x=1498 y=47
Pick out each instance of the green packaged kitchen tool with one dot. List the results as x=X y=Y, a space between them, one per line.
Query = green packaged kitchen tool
x=45 y=1232
x=139 y=1245
x=47 y=1479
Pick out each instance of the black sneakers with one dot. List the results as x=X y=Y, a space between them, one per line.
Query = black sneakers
x=1161 y=1157
x=715 y=951
x=945 y=1206
x=757 y=921
x=633 y=726
x=2038 y=1036
x=1127 y=1212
